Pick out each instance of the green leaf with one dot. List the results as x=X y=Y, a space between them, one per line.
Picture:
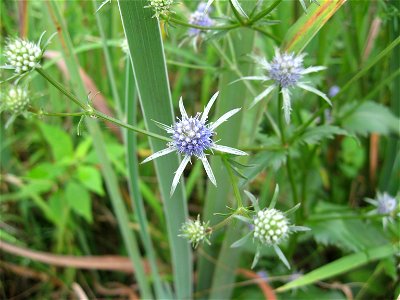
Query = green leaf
x=315 y=135
x=149 y=67
x=303 y=31
x=59 y=141
x=372 y=117
x=79 y=200
x=90 y=177
x=242 y=241
x=342 y=265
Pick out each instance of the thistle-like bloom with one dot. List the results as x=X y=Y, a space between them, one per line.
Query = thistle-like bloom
x=285 y=71
x=22 y=56
x=385 y=205
x=192 y=136
x=15 y=100
x=160 y=7
x=196 y=231
x=199 y=18
x=269 y=227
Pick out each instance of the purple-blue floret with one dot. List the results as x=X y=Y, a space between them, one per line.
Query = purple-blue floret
x=191 y=136
x=286 y=70
x=199 y=18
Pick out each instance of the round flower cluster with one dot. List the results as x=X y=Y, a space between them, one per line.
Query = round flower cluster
x=15 y=100
x=199 y=18
x=195 y=231
x=191 y=136
x=161 y=7
x=386 y=204
x=286 y=69
x=22 y=56
x=271 y=226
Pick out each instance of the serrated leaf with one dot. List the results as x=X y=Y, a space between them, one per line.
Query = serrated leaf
x=60 y=142
x=372 y=117
x=315 y=135
x=79 y=200
x=90 y=177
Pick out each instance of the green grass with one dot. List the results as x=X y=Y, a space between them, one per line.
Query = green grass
x=85 y=197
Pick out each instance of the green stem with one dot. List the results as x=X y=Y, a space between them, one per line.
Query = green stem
x=183 y=23
x=222 y=224
x=280 y=121
x=89 y=111
x=264 y=12
x=234 y=183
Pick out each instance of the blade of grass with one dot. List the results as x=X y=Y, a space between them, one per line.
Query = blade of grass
x=133 y=179
x=302 y=32
x=340 y=266
x=149 y=66
x=106 y=168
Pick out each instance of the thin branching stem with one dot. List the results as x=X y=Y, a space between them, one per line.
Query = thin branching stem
x=91 y=112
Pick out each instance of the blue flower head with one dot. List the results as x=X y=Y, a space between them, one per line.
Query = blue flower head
x=192 y=136
x=285 y=72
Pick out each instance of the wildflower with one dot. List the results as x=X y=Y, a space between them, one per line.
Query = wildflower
x=192 y=136
x=160 y=7
x=271 y=227
x=333 y=91
x=286 y=72
x=199 y=18
x=24 y=56
x=196 y=231
x=385 y=205
x=15 y=101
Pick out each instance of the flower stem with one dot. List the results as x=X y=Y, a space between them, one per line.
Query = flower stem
x=284 y=145
x=233 y=182
x=264 y=12
x=91 y=112
x=221 y=224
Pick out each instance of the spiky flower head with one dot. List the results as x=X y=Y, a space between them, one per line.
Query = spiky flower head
x=196 y=231
x=285 y=72
x=199 y=18
x=22 y=55
x=192 y=136
x=15 y=100
x=286 y=69
x=271 y=226
x=160 y=7
x=385 y=205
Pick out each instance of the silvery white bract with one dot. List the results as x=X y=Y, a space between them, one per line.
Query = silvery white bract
x=160 y=7
x=196 y=231
x=286 y=71
x=385 y=205
x=269 y=227
x=192 y=136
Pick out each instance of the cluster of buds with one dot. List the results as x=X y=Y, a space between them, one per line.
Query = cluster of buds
x=15 y=100
x=270 y=226
x=196 y=231
x=160 y=7
x=22 y=56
